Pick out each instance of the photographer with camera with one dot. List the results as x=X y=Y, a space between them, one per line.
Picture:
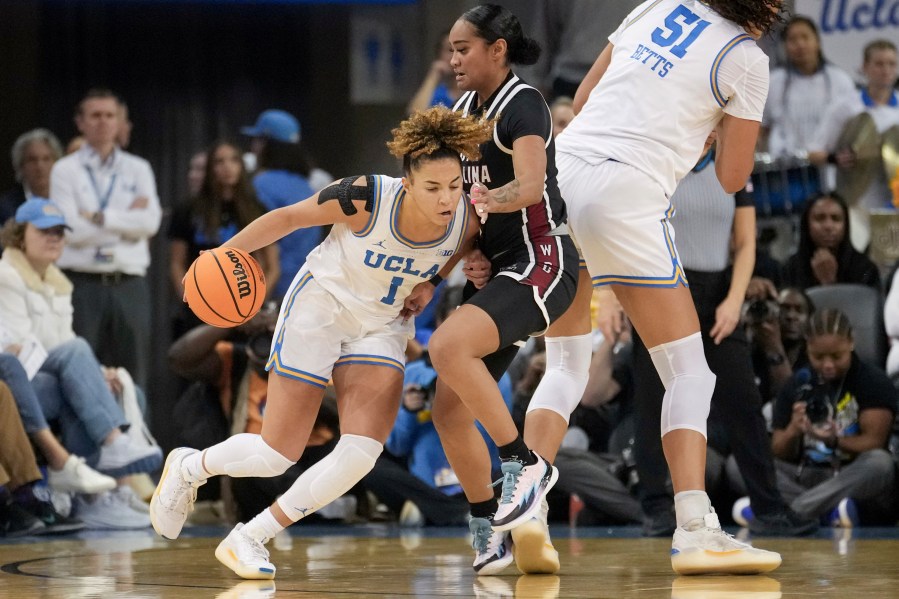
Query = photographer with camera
x=831 y=426
x=777 y=333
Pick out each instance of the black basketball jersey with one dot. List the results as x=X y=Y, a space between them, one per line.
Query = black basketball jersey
x=522 y=111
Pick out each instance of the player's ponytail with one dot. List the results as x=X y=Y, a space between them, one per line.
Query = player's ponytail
x=492 y=22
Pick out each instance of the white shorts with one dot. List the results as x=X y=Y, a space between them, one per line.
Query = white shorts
x=316 y=333
x=619 y=216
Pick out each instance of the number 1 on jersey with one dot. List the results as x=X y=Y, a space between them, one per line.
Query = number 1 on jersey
x=395 y=283
x=676 y=30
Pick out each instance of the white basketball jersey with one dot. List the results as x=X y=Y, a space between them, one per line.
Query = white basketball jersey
x=677 y=67
x=373 y=271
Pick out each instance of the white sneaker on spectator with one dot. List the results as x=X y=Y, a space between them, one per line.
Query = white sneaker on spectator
x=77 y=477
x=492 y=551
x=533 y=549
x=109 y=510
x=701 y=547
x=127 y=495
x=411 y=516
x=123 y=456
x=175 y=495
x=245 y=556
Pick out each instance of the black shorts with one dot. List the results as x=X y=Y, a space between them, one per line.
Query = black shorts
x=527 y=307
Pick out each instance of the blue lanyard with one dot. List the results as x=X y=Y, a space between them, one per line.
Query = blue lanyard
x=102 y=199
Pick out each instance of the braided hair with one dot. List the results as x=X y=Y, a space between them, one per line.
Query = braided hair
x=828 y=321
x=439 y=133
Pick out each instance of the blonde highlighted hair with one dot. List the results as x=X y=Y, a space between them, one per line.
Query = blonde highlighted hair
x=439 y=133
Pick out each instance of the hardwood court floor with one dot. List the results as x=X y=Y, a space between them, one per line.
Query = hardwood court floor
x=375 y=561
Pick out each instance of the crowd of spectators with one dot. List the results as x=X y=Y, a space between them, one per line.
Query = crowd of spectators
x=76 y=313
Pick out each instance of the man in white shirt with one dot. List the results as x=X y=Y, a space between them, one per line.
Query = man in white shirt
x=880 y=100
x=109 y=199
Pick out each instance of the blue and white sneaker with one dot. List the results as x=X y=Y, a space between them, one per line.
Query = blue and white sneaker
x=524 y=488
x=493 y=550
x=845 y=515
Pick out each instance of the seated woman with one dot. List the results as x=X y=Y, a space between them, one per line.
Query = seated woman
x=66 y=472
x=24 y=508
x=36 y=307
x=835 y=417
x=825 y=255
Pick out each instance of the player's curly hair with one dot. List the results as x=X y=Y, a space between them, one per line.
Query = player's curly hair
x=439 y=133
x=750 y=14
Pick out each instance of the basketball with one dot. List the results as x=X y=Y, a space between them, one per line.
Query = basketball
x=224 y=287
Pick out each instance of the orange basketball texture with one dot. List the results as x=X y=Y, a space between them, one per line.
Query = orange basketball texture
x=224 y=287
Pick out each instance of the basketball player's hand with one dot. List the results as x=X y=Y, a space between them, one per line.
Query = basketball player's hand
x=477 y=268
x=479 y=197
x=417 y=300
x=824 y=266
x=610 y=318
x=727 y=317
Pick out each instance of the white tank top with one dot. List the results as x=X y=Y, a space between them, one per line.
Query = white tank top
x=373 y=271
x=677 y=67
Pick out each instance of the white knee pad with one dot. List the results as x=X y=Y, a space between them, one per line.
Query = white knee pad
x=688 y=382
x=245 y=454
x=567 y=372
x=352 y=458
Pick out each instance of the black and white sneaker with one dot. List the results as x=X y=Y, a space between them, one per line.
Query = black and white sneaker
x=524 y=488
x=492 y=550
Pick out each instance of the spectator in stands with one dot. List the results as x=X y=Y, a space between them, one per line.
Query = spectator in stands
x=25 y=509
x=108 y=198
x=880 y=100
x=282 y=127
x=225 y=204
x=36 y=308
x=66 y=472
x=439 y=86
x=196 y=173
x=831 y=426
x=562 y=110
x=777 y=332
x=825 y=255
x=33 y=155
x=284 y=175
x=800 y=91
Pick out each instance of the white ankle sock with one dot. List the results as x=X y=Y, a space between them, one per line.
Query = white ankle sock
x=689 y=505
x=192 y=468
x=263 y=527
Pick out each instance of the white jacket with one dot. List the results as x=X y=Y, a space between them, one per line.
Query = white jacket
x=30 y=305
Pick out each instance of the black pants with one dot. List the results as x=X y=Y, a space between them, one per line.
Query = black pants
x=736 y=408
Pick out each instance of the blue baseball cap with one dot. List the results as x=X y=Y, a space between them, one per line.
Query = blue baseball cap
x=42 y=213
x=275 y=124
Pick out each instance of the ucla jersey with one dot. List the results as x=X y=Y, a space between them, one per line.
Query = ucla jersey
x=677 y=67
x=373 y=271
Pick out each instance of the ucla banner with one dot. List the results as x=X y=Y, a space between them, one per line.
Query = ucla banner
x=848 y=25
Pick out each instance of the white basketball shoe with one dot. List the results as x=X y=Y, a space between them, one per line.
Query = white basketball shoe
x=533 y=549
x=701 y=547
x=174 y=496
x=492 y=551
x=245 y=556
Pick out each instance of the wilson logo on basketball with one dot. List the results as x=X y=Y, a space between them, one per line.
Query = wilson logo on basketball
x=240 y=273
